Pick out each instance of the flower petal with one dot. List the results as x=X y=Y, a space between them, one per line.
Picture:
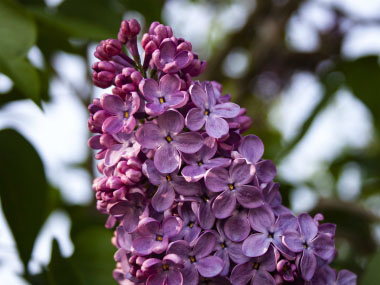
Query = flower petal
x=174 y=278
x=171 y=226
x=157 y=279
x=346 y=277
x=308 y=265
x=262 y=277
x=182 y=187
x=150 y=136
x=293 y=241
x=198 y=96
x=195 y=119
x=216 y=127
x=193 y=173
x=224 y=204
x=204 y=244
x=266 y=171
x=112 y=104
x=323 y=246
x=237 y=227
x=169 y=84
x=241 y=172
x=143 y=245
x=242 y=273
x=236 y=253
x=167 y=159
x=163 y=198
x=180 y=248
x=150 y=171
x=205 y=215
x=308 y=226
x=249 y=196
x=261 y=219
x=226 y=110
x=216 y=179
x=149 y=88
x=256 y=245
x=112 y=125
x=188 y=142
x=171 y=121
x=252 y=148
x=210 y=266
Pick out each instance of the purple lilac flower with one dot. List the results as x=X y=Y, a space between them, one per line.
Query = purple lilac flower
x=167 y=139
x=233 y=183
x=190 y=229
x=202 y=209
x=153 y=236
x=197 y=258
x=256 y=270
x=286 y=270
x=311 y=243
x=168 y=185
x=252 y=149
x=121 y=113
x=327 y=275
x=164 y=95
x=237 y=226
x=129 y=210
x=268 y=231
x=198 y=163
x=169 y=58
x=227 y=249
x=125 y=147
x=165 y=271
x=208 y=112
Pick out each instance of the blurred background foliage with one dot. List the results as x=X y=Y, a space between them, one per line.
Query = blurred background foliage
x=251 y=50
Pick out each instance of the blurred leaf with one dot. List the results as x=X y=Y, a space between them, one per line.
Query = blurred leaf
x=23 y=190
x=372 y=273
x=150 y=9
x=24 y=75
x=12 y=95
x=17 y=30
x=61 y=270
x=93 y=256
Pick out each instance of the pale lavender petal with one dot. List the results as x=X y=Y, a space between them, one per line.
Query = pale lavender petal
x=188 y=142
x=148 y=226
x=171 y=226
x=112 y=104
x=249 y=196
x=237 y=227
x=204 y=244
x=183 y=59
x=169 y=84
x=182 y=187
x=293 y=241
x=198 y=96
x=262 y=277
x=308 y=265
x=171 y=121
x=308 y=227
x=131 y=220
x=150 y=136
x=224 y=204
x=195 y=119
x=216 y=127
x=180 y=248
x=216 y=179
x=266 y=171
x=252 y=148
x=143 y=245
x=193 y=173
x=149 y=88
x=241 y=172
x=226 y=110
x=176 y=100
x=242 y=273
x=256 y=245
x=261 y=219
x=346 y=277
x=167 y=159
x=163 y=198
x=174 y=278
x=155 y=109
x=112 y=125
x=217 y=162
x=210 y=266
x=150 y=171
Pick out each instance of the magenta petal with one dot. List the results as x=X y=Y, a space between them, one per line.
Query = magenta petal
x=188 y=142
x=256 y=245
x=226 y=110
x=174 y=278
x=164 y=197
x=112 y=125
x=249 y=196
x=308 y=264
x=198 y=96
x=171 y=121
x=242 y=273
x=169 y=84
x=237 y=228
x=252 y=148
x=293 y=241
x=210 y=266
x=224 y=204
x=112 y=104
x=149 y=88
x=263 y=277
x=266 y=171
x=216 y=127
x=308 y=227
x=216 y=179
x=261 y=219
x=168 y=50
x=195 y=119
x=150 y=136
x=183 y=59
x=167 y=159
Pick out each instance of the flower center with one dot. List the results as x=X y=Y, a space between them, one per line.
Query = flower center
x=168 y=177
x=223 y=245
x=165 y=267
x=231 y=186
x=200 y=163
x=169 y=138
x=159 y=238
x=305 y=245
x=191 y=224
x=204 y=198
x=192 y=259
x=270 y=235
x=256 y=265
x=126 y=115
x=206 y=112
x=162 y=100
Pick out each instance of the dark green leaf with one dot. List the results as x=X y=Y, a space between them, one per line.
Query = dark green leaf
x=17 y=30
x=23 y=190
x=372 y=273
x=151 y=9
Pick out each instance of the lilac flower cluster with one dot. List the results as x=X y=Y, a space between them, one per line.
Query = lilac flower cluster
x=192 y=199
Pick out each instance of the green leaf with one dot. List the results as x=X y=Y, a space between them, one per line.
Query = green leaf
x=23 y=190
x=17 y=30
x=151 y=9
x=372 y=273
x=24 y=75
x=93 y=256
